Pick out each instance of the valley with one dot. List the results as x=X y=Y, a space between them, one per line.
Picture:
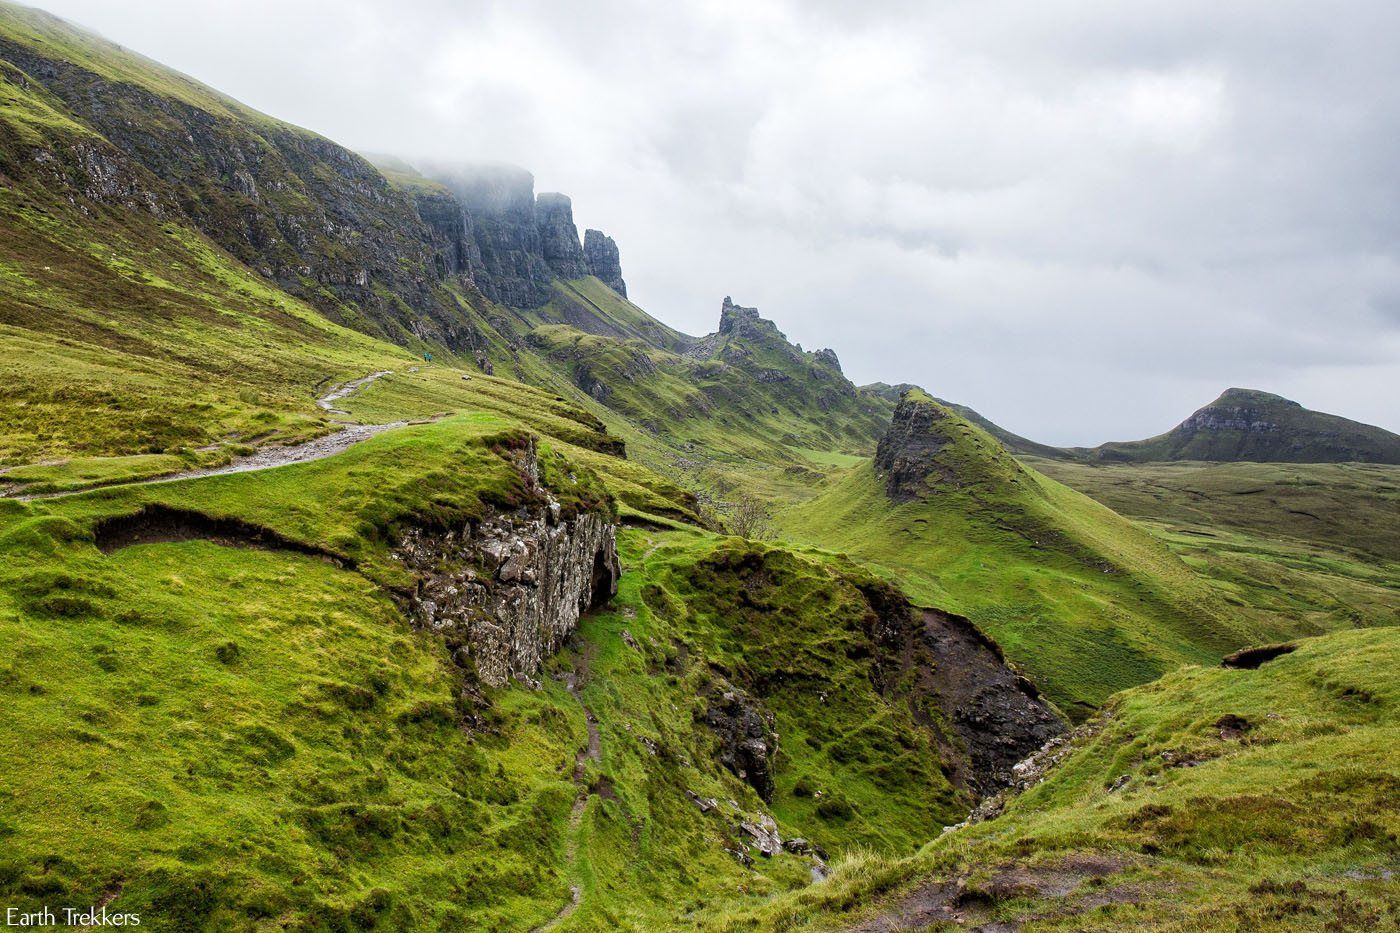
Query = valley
x=371 y=561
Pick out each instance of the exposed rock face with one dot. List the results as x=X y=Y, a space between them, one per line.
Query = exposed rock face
x=906 y=454
x=313 y=217
x=499 y=204
x=828 y=356
x=453 y=237
x=745 y=324
x=514 y=243
x=554 y=216
x=601 y=254
x=507 y=591
x=746 y=737
x=997 y=713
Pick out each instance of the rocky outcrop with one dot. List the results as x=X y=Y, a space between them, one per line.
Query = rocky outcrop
x=516 y=244
x=997 y=713
x=506 y=591
x=745 y=324
x=747 y=740
x=907 y=454
x=554 y=217
x=311 y=216
x=603 y=259
x=499 y=204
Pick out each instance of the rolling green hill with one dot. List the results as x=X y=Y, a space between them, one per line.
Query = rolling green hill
x=1022 y=556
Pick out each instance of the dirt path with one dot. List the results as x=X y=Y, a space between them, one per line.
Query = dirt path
x=271 y=457
x=950 y=901
x=327 y=401
x=593 y=751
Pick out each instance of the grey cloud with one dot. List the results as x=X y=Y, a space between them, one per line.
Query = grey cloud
x=1082 y=218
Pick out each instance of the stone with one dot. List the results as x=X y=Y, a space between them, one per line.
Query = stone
x=603 y=260
x=510 y=588
x=559 y=245
x=764 y=833
x=906 y=455
x=747 y=739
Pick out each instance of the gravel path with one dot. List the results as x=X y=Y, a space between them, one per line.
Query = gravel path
x=271 y=457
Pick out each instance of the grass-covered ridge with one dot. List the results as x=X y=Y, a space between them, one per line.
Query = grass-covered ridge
x=1212 y=799
x=1086 y=603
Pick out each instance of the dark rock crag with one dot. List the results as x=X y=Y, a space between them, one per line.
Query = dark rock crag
x=507 y=591
x=997 y=715
x=907 y=454
x=554 y=218
x=747 y=740
x=603 y=259
x=318 y=220
x=510 y=243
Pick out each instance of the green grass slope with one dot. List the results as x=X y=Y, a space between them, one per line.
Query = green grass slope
x=239 y=738
x=1210 y=800
x=1315 y=543
x=1083 y=601
x=305 y=213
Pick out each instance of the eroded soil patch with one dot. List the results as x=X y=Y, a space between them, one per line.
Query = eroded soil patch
x=160 y=524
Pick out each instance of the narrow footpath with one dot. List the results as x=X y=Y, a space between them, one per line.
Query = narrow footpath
x=269 y=458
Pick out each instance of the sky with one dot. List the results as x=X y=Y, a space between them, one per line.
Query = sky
x=1084 y=218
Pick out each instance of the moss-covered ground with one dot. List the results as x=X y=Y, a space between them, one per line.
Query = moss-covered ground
x=1211 y=799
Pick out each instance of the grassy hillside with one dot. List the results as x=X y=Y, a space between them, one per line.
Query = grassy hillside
x=1083 y=601
x=228 y=721
x=1316 y=543
x=256 y=737
x=1212 y=799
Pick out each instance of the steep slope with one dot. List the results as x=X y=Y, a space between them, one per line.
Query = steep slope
x=1079 y=598
x=310 y=216
x=1246 y=424
x=1212 y=799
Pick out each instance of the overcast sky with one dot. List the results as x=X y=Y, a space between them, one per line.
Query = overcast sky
x=1084 y=219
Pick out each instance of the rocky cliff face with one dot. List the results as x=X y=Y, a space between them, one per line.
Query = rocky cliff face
x=508 y=590
x=996 y=714
x=514 y=243
x=498 y=203
x=601 y=254
x=310 y=215
x=554 y=218
x=907 y=454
